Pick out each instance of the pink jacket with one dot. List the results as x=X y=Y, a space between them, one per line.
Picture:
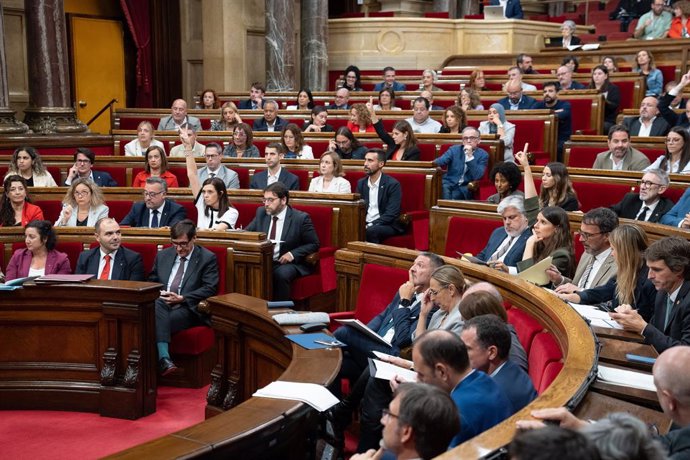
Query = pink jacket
x=56 y=263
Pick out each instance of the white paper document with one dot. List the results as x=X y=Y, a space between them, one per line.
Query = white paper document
x=596 y=317
x=315 y=395
x=363 y=328
x=387 y=371
x=626 y=378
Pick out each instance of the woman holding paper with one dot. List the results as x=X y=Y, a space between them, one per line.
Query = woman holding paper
x=630 y=286
x=446 y=287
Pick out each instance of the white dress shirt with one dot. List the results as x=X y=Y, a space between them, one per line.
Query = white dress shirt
x=373 y=210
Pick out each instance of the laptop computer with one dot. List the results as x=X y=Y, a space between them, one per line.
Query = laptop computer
x=493 y=12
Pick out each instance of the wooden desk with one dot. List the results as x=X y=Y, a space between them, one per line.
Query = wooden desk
x=613 y=352
x=596 y=405
x=63 y=347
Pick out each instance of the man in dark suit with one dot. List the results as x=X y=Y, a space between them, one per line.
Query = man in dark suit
x=84 y=160
x=382 y=215
x=648 y=205
x=189 y=274
x=515 y=99
x=487 y=339
x=507 y=243
x=648 y=123
x=256 y=98
x=270 y=121
x=342 y=100
x=273 y=153
x=156 y=210
x=512 y=10
x=110 y=260
x=668 y=260
x=389 y=81
x=674 y=98
x=293 y=235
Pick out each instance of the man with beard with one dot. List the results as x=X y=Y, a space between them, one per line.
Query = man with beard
x=561 y=109
x=507 y=243
x=620 y=156
x=648 y=123
x=515 y=100
x=647 y=205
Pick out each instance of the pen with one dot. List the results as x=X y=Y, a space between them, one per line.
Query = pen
x=328 y=344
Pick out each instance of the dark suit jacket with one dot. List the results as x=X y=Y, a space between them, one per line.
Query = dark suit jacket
x=390 y=198
x=562 y=110
x=335 y=107
x=102 y=179
x=298 y=237
x=555 y=42
x=260 y=180
x=678 y=330
x=612 y=101
x=513 y=9
x=516 y=384
x=246 y=105
x=671 y=117
x=629 y=207
x=200 y=279
x=260 y=124
x=397 y=86
x=677 y=442
x=128 y=265
x=526 y=102
x=139 y=215
x=659 y=126
x=411 y=153
x=514 y=255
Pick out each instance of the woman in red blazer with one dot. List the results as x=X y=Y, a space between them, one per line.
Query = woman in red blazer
x=15 y=206
x=40 y=257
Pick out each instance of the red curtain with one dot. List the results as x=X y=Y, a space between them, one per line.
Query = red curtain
x=137 y=15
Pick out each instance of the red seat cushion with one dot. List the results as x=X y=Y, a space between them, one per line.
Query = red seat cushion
x=192 y=341
x=148 y=253
x=525 y=325
x=468 y=234
x=549 y=375
x=544 y=350
x=593 y=195
x=221 y=254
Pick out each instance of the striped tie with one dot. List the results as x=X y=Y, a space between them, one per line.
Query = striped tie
x=502 y=250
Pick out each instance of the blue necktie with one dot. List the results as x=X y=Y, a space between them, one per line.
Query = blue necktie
x=154 y=220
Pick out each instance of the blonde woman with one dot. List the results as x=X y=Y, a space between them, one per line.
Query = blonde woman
x=144 y=140
x=229 y=118
x=446 y=288
x=83 y=205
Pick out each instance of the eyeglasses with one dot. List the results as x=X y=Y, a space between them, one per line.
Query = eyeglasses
x=152 y=194
x=83 y=161
x=385 y=413
x=215 y=155
x=268 y=200
x=434 y=292
x=180 y=244
x=81 y=194
x=646 y=183
x=585 y=236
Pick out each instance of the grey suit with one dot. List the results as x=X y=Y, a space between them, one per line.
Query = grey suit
x=634 y=160
x=227 y=175
x=607 y=270
x=168 y=124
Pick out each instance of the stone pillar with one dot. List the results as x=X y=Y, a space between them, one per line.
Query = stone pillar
x=8 y=123
x=468 y=7
x=314 y=40
x=280 y=45
x=50 y=108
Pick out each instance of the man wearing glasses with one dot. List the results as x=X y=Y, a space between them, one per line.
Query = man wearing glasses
x=214 y=168
x=189 y=274
x=84 y=160
x=466 y=163
x=648 y=205
x=156 y=210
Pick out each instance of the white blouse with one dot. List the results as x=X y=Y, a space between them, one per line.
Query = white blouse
x=337 y=185
x=134 y=148
x=205 y=222
x=672 y=170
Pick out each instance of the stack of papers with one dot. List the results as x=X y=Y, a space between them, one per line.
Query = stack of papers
x=536 y=274
x=386 y=371
x=621 y=377
x=59 y=279
x=315 y=395
x=595 y=316
x=364 y=329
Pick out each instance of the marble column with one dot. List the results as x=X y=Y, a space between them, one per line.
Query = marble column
x=314 y=40
x=8 y=123
x=466 y=7
x=280 y=45
x=50 y=110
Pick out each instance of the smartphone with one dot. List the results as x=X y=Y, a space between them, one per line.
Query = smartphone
x=639 y=359
x=165 y=293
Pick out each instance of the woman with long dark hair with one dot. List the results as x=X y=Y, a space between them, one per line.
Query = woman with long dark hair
x=26 y=162
x=402 y=142
x=612 y=94
x=15 y=207
x=676 y=160
x=305 y=100
x=318 y=122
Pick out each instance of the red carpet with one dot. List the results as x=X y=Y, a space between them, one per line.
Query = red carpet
x=69 y=435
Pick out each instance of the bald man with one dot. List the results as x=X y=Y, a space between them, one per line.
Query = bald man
x=515 y=99
x=648 y=123
x=673 y=390
x=178 y=117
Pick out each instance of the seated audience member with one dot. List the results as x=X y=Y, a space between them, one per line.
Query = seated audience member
x=556 y=187
x=511 y=8
x=524 y=63
x=644 y=65
x=292 y=233
x=273 y=153
x=40 y=256
x=229 y=118
x=571 y=62
x=679 y=215
x=155 y=165
x=429 y=96
x=629 y=285
x=208 y=100
x=497 y=123
x=26 y=163
x=346 y=145
x=506 y=177
x=612 y=94
x=305 y=100
x=597 y=264
x=420 y=121
x=440 y=358
x=177 y=306
x=84 y=159
x=647 y=205
x=668 y=260
x=110 y=260
x=680 y=24
x=389 y=81
x=144 y=140
x=565 y=79
x=16 y=208
x=487 y=339
x=648 y=123
x=293 y=143
x=429 y=77
x=386 y=100
x=561 y=109
x=655 y=23
x=621 y=156
x=330 y=178
x=567 y=37
x=382 y=217
x=353 y=78
x=454 y=120
x=477 y=81
x=341 y=100
x=674 y=99
x=178 y=117
x=214 y=167
x=515 y=100
x=507 y=243
x=318 y=121
x=214 y=210
x=552 y=442
x=469 y=100
x=446 y=288
x=515 y=75
x=621 y=435
x=360 y=120
x=83 y=205
x=179 y=151
x=402 y=142
x=270 y=121
x=156 y=210
x=676 y=160
x=241 y=145
x=466 y=163
x=610 y=63
x=256 y=97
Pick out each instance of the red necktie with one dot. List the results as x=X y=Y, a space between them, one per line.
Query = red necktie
x=105 y=274
x=272 y=235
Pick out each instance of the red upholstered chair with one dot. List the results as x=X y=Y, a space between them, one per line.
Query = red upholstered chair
x=544 y=350
x=584 y=156
x=674 y=194
x=148 y=253
x=55 y=172
x=525 y=325
x=71 y=248
x=531 y=131
x=243 y=174
x=118 y=209
x=549 y=375
x=337 y=122
x=303 y=176
x=627 y=94
x=189 y=207
x=581 y=110
x=468 y=234
x=593 y=195
x=261 y=145
x=413 y=209
x=181 y=174
x=131 y=122
x=51 y=208
x=428 y=152
x=118 y=173
x=247 y=212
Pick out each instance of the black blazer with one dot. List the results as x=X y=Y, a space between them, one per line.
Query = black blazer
x=128 y=265
x=298 y=237
x=629 y=207
x=261 y=125
x=139 y=215
x=260 y=180
x=613 y=100
x=678 y=330
x=411 y=153
x=558 y=41
x=671 y=117
x=390 y=199
x=659 y=126
x=246 y=105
